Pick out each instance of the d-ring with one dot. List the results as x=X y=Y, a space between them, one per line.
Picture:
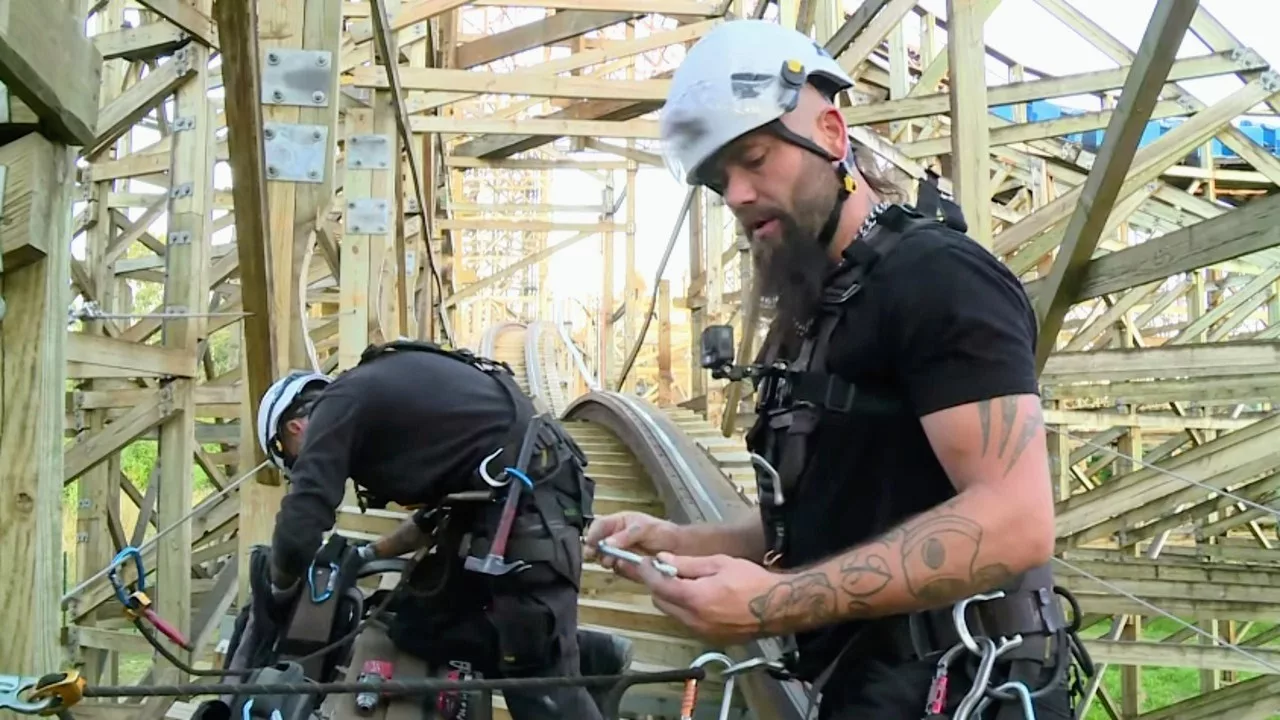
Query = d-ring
x=484 y=471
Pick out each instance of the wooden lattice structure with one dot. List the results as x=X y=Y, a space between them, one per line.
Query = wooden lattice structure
x=197 y=199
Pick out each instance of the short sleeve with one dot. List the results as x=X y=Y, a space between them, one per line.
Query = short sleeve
x=964 y=328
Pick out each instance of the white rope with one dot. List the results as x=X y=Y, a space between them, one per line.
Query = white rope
x=1170 y=473
x=156 y=538
x=1186 y=625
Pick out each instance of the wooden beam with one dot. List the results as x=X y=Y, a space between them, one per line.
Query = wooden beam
x=560 y=26
x=47 y=62
x=1031 y=90
x=29 y=166
x=467 y=81
x=1183 y=361
x=970 y=158
x=132 y=358
x=238 y=23
x=1165 y=30
x=1240 y=232
x=33 y=379
x=187 y=16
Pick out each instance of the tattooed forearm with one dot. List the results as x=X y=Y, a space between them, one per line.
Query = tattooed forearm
x=808 y=599
x=1003 y=424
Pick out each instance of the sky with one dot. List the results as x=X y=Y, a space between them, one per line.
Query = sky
x=1048 y=46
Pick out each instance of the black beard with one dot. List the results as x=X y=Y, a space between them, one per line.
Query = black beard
x=789 y=274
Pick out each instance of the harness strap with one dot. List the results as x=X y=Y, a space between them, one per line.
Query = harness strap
x=931 y=203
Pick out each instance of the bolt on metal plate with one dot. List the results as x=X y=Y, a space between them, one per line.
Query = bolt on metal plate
x=297 y=77
x=368 y=216
x=295 y=153
x=368 y=152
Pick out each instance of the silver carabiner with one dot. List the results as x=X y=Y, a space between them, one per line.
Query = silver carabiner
x=503 y=478
x=1017 y=688
x=775 y=480
x=691 y=694
x=962 y=625
x=989 y=653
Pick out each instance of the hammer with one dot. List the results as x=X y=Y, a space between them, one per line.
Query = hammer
x=495 y=562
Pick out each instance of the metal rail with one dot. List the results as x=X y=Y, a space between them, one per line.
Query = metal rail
x=693 y=490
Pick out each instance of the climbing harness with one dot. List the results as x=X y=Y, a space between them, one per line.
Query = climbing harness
x=58 y=693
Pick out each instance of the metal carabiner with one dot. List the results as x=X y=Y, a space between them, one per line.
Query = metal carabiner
x=989 y=654
x=1017 y=688
x=962 y=625
x=12 y=688
x=113 y=574
x=691 y=686
x=503 y=478
x=762 y=465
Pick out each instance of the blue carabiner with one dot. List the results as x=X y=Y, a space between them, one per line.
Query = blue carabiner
x=311 y=582
x=523 y=478
x=113 y=574
x=12 y=688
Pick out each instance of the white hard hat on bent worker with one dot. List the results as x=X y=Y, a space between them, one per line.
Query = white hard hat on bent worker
x=744 y=75
x=278 y=399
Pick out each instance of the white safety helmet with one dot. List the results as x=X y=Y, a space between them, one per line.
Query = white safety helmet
x=275 y=401
x=741 y=76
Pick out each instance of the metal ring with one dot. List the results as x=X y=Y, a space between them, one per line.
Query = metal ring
x=484 y=471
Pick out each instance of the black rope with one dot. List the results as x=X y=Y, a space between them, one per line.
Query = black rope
x=393 y=687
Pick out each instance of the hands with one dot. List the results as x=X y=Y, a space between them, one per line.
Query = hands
x=713 y=596
x=725 y=599
x=630 y=531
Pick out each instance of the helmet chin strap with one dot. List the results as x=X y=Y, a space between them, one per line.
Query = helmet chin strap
x=847 y=184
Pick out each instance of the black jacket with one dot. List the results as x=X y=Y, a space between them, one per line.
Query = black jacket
x=410 y=427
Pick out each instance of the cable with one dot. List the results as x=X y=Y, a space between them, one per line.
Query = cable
x=657 y=282
x=424 y=686
x=1186 y=625
x=70 y=594
x=1170 y=473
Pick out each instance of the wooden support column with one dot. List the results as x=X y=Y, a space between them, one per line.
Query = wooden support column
x=695 y=296
x=185 y=290
x=970 y=158
x=38 y=180
x=605 y=320
x=1101 y=189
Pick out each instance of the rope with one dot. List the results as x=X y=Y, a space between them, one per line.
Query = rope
x=392 y=687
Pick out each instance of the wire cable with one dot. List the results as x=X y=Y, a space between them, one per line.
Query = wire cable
x=1163 y=613
x=1170 y=473
x=204 y=504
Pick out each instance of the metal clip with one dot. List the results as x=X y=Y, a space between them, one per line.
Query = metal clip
x=12 y=688
x=503 y=478
x=691 y=686
x=1017 y=688
x=962 y=626
x=982 y=678
x=762 y=465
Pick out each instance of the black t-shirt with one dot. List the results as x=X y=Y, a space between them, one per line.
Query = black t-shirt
x=940 y=322
x=410 y=426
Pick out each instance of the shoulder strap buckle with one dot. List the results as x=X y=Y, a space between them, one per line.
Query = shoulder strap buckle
x=933 y=204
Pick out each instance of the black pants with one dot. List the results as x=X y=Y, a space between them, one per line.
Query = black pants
x=539 y=629
x=876 y=690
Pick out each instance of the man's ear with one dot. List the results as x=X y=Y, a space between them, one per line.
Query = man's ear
x=295 y=426
x=833 y=134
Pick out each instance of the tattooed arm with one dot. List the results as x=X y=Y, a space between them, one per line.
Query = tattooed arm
x=999 y=524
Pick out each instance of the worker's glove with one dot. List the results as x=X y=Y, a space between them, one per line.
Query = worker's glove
x=366 y=553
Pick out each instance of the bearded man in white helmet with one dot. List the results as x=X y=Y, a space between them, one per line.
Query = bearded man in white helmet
x=445 y=432
x=896 y=401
